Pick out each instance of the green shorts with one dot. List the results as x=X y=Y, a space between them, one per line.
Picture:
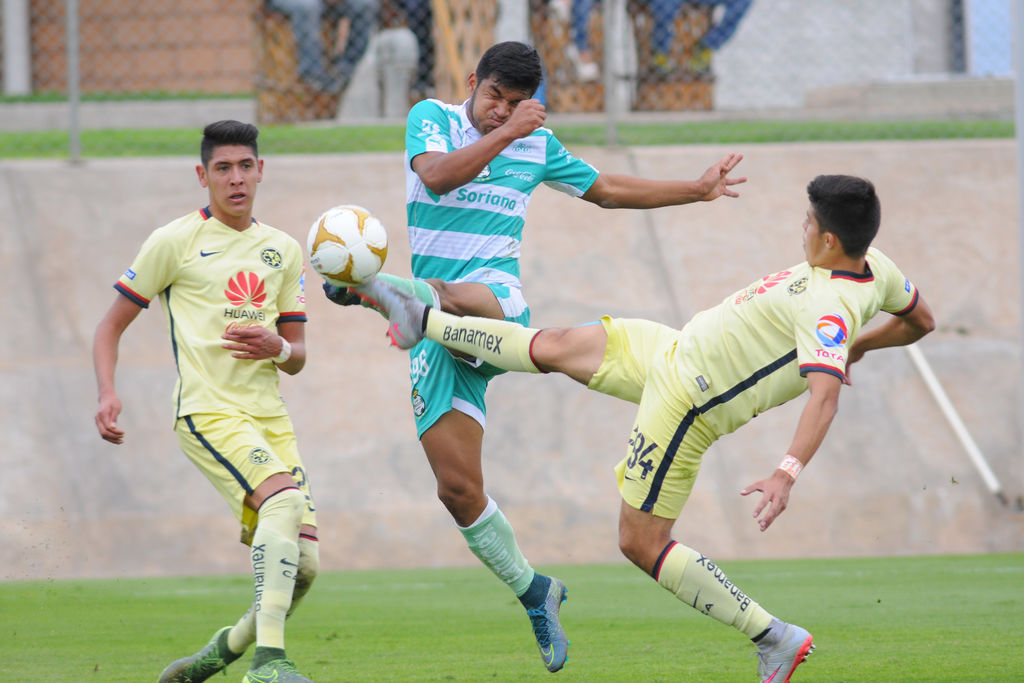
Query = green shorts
x=238 y=452
x=669 y=436
x=442 y=382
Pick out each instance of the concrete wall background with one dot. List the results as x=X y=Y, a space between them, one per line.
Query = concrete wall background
x=890 y=479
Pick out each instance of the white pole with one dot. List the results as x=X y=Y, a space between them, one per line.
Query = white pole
x=955 y=422
x=74 y=81
x=611 y=13
x=17 y=51
x=1018 y=70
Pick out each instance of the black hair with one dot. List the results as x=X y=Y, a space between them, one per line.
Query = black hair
x=227 y=133
x=513 y=64
x=847 y=207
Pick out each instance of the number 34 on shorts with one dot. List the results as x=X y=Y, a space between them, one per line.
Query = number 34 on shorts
x=640 y=460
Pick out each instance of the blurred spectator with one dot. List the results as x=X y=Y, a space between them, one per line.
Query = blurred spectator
x=420 y=16
x=663 y=14
x=580 y=52
x=307 y=18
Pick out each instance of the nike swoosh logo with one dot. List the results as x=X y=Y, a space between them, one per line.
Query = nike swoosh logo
x=204 y=254
x=772 y=677
x=548 y=654
x=396 y=336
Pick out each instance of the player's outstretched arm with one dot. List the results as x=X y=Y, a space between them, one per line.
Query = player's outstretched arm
x=814 y=422
x=104 y=357
x=615 y=191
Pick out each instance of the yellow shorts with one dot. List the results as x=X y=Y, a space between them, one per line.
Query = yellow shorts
x=669 y=436
x=238 y=452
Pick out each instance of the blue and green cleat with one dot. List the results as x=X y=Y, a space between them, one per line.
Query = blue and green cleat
x=551 y=638
x=276 y=671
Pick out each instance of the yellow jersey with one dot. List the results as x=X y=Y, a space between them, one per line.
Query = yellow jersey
x=752 y=351
x=210 y=277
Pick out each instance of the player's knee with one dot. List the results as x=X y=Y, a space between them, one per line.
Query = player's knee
x=637 y=548
x=548 y=347
x=287 y=504
x=459 y=498
x=630 y=548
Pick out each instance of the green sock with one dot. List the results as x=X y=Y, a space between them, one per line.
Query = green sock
x=421 y=289
x=493 y=541
x=262 y=655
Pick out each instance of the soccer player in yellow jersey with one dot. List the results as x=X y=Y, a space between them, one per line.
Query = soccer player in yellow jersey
x=231 y=289
x=793 y=331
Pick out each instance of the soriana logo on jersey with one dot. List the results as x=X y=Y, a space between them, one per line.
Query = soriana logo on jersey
x=831 y=330
x=246 y=289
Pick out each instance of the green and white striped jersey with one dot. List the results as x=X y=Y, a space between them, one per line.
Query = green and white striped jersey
x=473 y=233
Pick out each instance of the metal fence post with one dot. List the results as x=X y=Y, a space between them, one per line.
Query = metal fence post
x=73 y=76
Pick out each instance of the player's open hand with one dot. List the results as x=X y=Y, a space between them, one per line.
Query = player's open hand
x=251 y=342
x=774 y=498
x=716 y=181
x=106 y=419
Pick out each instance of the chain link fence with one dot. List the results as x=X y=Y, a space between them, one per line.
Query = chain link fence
x=926 y=67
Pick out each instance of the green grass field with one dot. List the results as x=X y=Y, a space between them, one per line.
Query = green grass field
x=952 y=618
x=298 y=139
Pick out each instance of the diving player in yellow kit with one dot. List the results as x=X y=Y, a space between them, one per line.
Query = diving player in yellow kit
x=793 y=331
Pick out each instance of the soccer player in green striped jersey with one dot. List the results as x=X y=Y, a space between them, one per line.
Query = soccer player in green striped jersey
x=470 y=171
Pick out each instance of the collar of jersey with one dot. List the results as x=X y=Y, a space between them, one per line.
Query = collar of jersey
x=866 y=276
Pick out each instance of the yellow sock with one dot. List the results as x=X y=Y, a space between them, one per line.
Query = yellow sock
x=275 y=561
x=501 y=343
x=702 y=584
x=309 y=567
x=243 y=633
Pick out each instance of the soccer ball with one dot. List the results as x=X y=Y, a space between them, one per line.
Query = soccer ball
x=347 y=245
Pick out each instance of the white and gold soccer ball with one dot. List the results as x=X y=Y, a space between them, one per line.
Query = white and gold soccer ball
x=347 y=245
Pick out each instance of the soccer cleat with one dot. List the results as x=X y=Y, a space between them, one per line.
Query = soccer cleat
x=276 y=671
x=780 y=656
x=551 y=638
x=350 y=296
x=343 y=296
x=406 y=313
x=203 y=664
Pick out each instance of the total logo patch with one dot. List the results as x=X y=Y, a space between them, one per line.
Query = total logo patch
x=831 y=330
x=259 y=456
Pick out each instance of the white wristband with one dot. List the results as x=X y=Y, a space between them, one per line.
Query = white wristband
x=286 y=351
x=791 y=466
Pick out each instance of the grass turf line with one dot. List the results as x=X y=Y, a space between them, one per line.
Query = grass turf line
x=942 y=618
